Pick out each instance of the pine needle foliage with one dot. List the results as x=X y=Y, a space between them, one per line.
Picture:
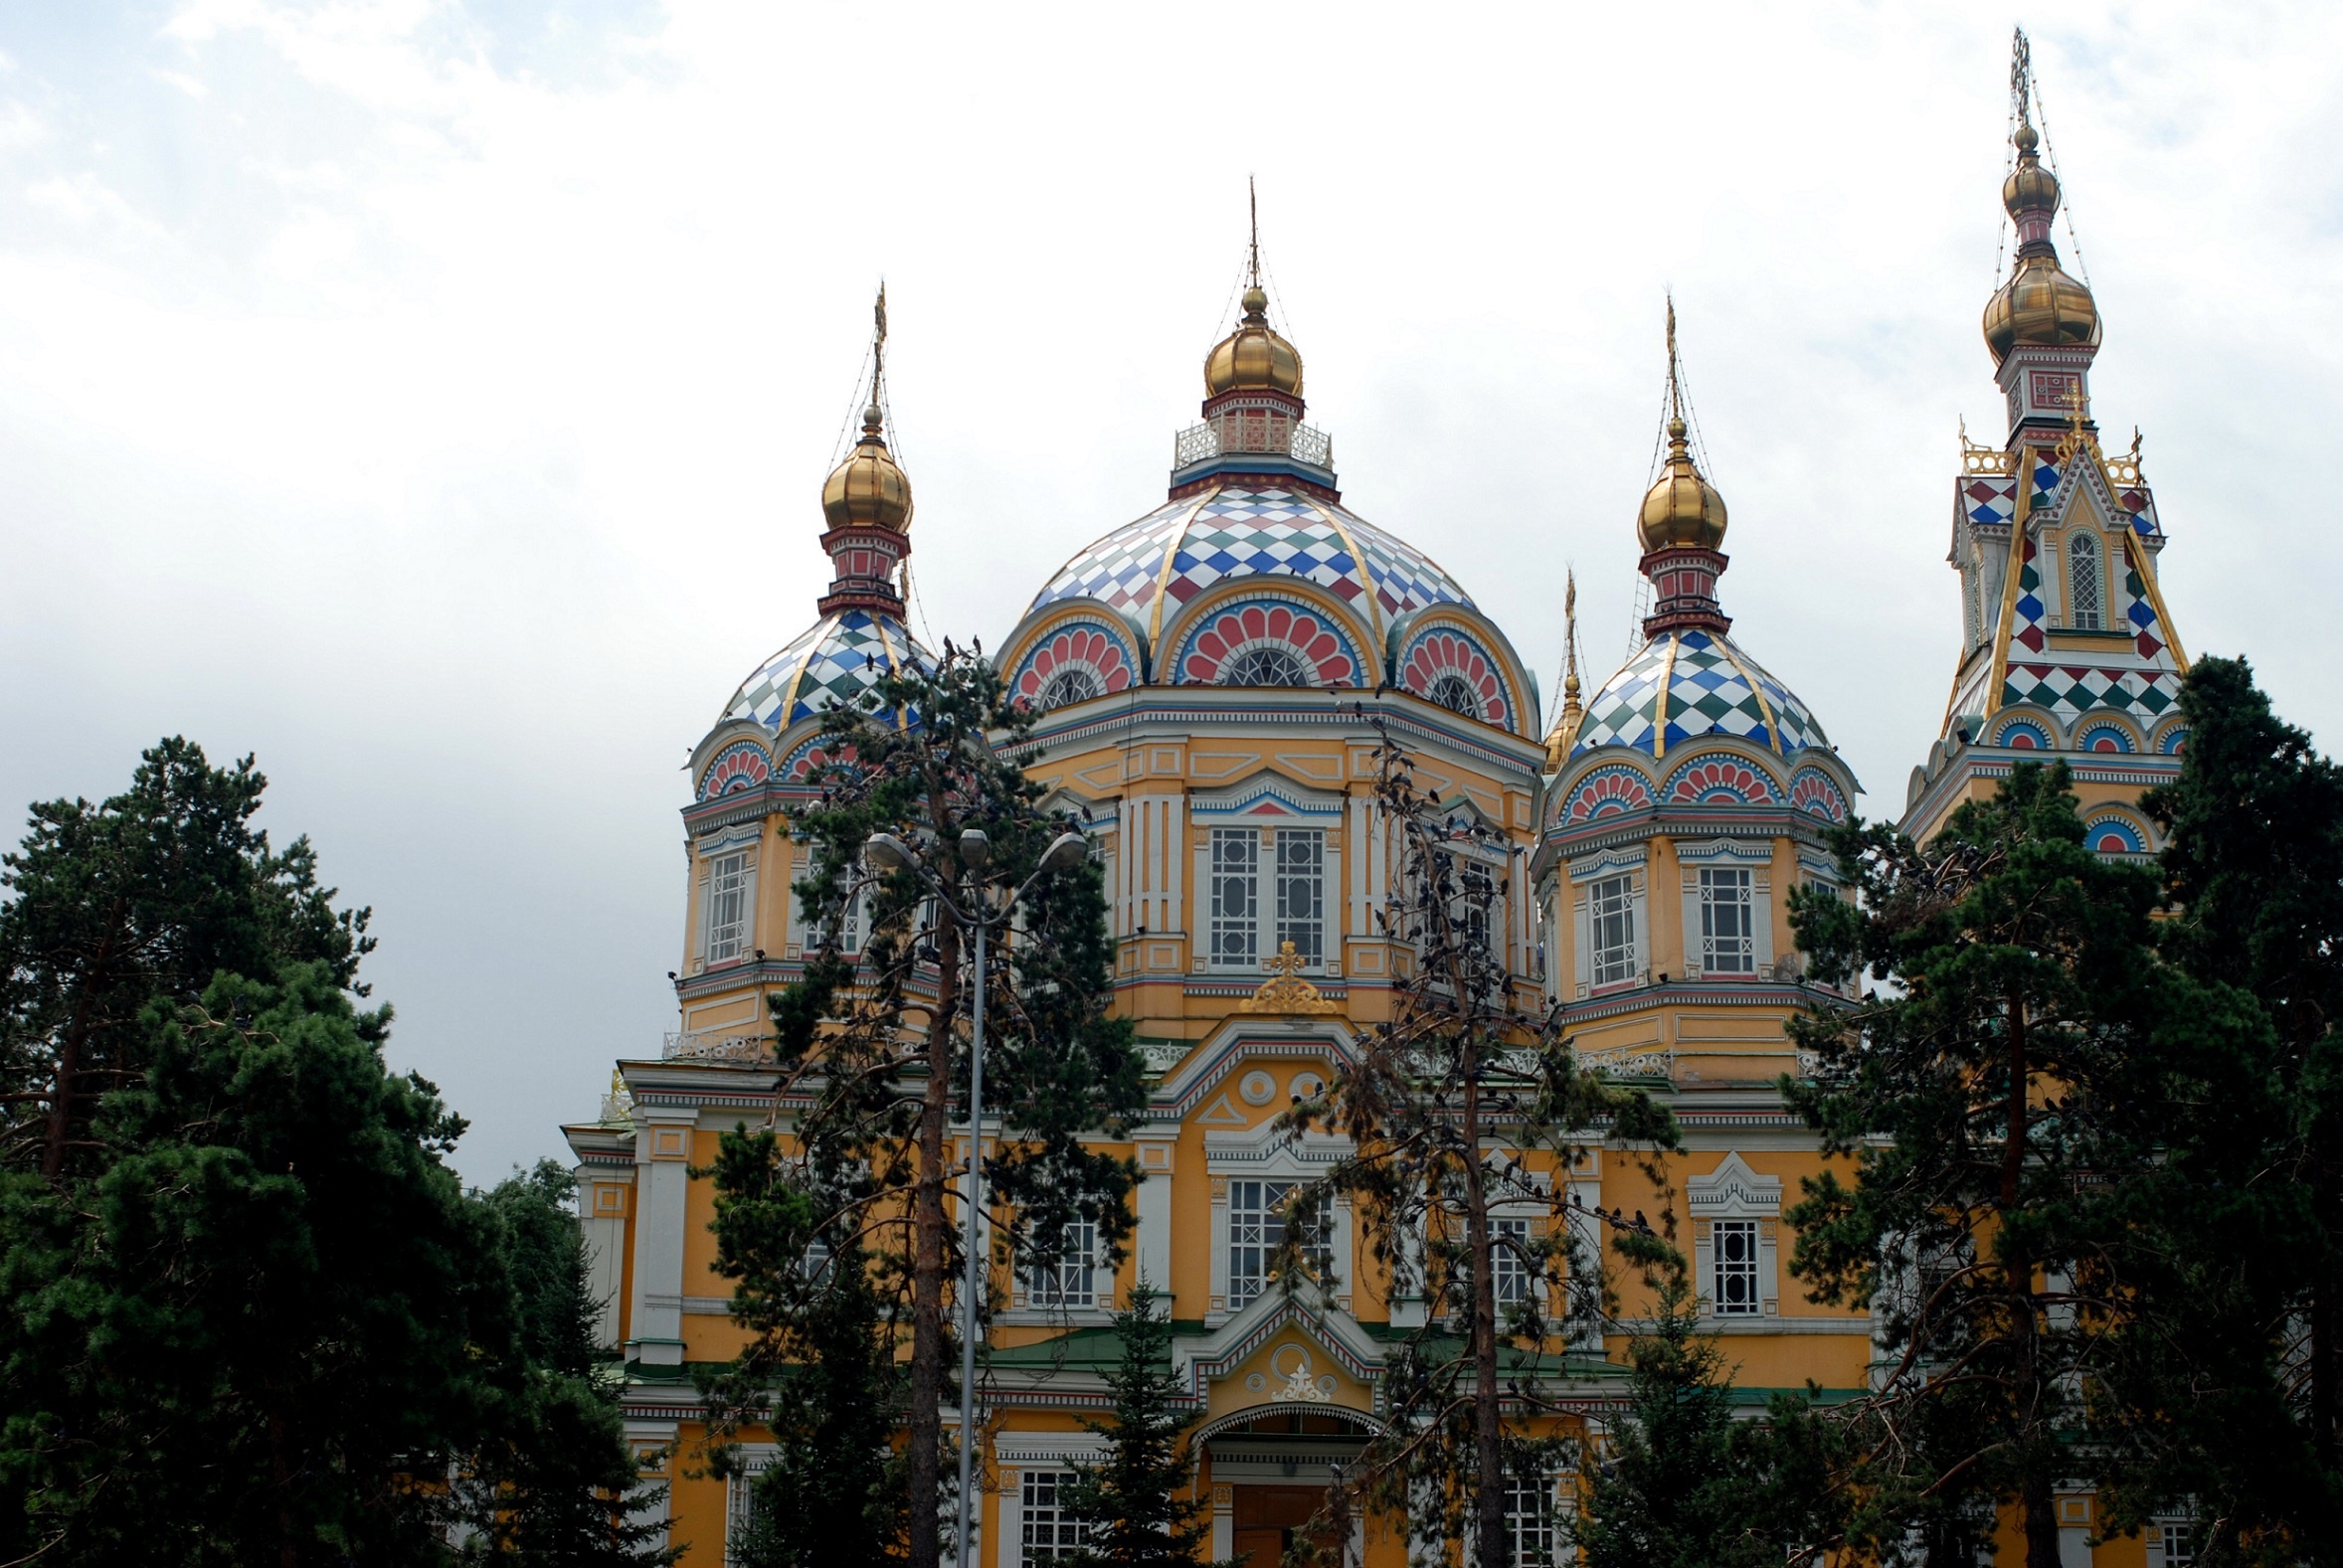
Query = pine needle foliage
x=1139 y=1501
x=1462 y=1111
x=871 y=1047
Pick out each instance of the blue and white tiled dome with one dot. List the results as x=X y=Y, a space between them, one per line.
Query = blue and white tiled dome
x=1710 y=688
x=840 y=657
x=1245 y=527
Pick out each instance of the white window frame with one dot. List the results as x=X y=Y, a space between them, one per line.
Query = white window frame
x=753 y=1459
x=728 y=909
x=1697 y=859
x=1509 y=1276
x=1071 y=1283
x=1736 y=1195
x=1041 y=1504
x=1256 y=1230
x=1614 y=961
x=1734 y=1286
x=2168 y=1531
x=2082 y=549
x=1300 y=856
x=1233 y=909
x=1537 y=1499
x=1728 y=899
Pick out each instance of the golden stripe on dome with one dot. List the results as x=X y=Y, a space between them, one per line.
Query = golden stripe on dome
x=1375 y=606
x=789 y=699
x=1660 y=700
x=1774 y=723
x=1155 y=626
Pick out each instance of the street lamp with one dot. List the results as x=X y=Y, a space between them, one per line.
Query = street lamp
x=886 y=852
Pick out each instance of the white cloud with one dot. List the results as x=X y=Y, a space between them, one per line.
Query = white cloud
x=437 y=399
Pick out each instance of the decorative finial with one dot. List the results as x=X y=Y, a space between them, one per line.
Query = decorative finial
x=874 y=417
x=2022 y=86
x=1675 y=392
x=1570 y=648
x=1253 y=212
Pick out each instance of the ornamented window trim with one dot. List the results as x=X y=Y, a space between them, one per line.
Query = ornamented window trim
x=1735 y=1193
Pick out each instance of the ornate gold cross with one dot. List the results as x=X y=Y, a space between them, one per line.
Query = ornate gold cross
x=1287 y=991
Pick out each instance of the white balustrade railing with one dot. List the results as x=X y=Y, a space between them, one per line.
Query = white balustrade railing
x=1302 y=442
x=715 y=1045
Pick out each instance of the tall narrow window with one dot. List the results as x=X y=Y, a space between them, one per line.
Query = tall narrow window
x=1508 y=1270
x=2178 y=1540
x=1529 y=1520
x=1728 y=936
x=2085 y=600
x=1236 y=897
x=1301 y=892
x=1611 y=910
x=728 y=906
x=1070 y=1279
x=1732 y=1293
x=1256 y=1227
x=1047 y=1530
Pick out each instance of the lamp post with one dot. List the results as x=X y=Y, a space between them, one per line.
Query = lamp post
x=886 y=852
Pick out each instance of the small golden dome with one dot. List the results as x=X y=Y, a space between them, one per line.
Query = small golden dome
x=868 y=488
x=1253 y=356
x=1683 y=508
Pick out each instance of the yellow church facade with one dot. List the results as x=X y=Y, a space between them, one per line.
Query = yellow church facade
x=1208 y=681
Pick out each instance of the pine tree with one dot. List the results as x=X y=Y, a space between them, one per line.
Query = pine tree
x=1684 y=1483
x=1449 y=1109
x=1139 y=1501
x=876 y=1043
x=2006 y=1102
x=250 y=1316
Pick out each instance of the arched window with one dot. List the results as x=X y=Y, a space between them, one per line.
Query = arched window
x=2083 y=598
x=1071 y=684
x=1453 y=692
x=1264 y=666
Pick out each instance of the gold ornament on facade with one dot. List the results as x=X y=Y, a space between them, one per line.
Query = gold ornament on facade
x=1286 y=991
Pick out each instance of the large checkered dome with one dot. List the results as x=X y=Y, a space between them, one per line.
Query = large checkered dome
x=1685 y=685
x=839 y=658
x=1246 y=526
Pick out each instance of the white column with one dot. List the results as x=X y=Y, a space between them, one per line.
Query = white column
x=1224 y=1522
x=662 y=1151
x=1154 y=1147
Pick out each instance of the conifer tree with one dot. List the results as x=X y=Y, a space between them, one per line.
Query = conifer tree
x=248 y=1313
x=1683 y=1484
x=2005 y=1100
x=875 y=1042
x=1139 y=1501
x=1471 y=1059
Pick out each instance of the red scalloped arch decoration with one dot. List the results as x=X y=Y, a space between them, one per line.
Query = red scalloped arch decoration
x=1445 y=653
x=1608 y=792
x=1814 y=793
x=1309 y=634
x=740 y=765
x=1721 y=781
x=1077 y=647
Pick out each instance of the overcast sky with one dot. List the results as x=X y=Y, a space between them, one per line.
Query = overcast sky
x=434 y=397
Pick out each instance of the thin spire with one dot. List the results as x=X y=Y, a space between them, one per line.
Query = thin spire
x=2020 y=75
x=1571 y=648
x=1675 y=387
x=1253 y=211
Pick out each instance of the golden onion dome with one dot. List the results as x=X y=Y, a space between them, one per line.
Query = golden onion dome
x=2041 y=303
x=1683 y=508
x=869 y=489
x=1253 y=356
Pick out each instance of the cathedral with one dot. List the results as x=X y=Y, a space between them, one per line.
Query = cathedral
x=1203 y=678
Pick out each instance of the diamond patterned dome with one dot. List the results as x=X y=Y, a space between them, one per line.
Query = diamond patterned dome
x=1712 y=688
x=1241 y=527
x=839 y=658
